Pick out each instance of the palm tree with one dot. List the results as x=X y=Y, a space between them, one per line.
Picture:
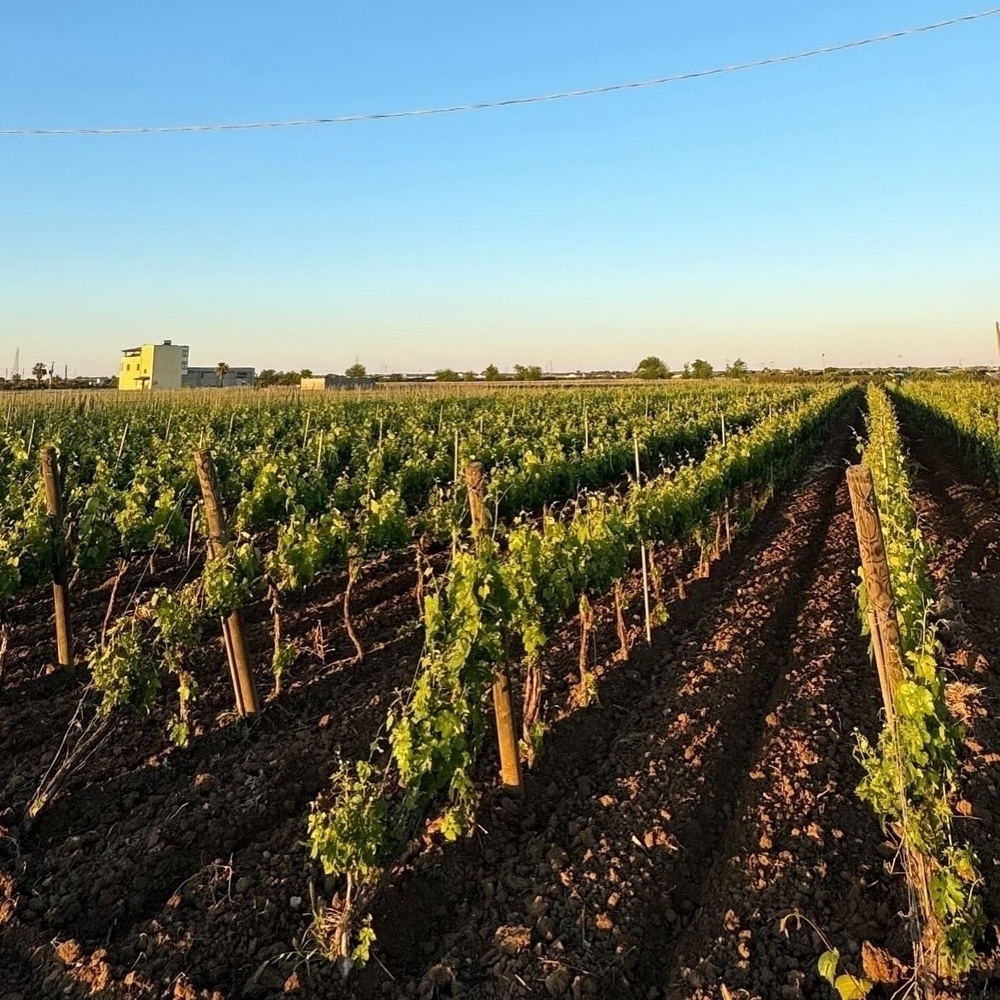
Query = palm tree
x=221 y=371
x=39 y=371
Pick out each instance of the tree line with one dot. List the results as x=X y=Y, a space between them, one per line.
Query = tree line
x=653 y=368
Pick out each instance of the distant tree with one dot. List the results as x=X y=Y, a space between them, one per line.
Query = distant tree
x=446 y=375
x=652 y=367
x=356 y=370
x=267 y=377
x=738 y=369
x=527 y=373
x=491 y=373
x=470 y=377
x=221 y=371
x=393 y=377
x=302 y=373
x=686 y=373
x=40 y=371
x=701 y=369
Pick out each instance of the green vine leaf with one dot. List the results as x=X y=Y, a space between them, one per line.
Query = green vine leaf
x=827 y=965
x=851 y=988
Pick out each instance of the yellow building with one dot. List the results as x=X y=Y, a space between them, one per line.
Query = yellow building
x=153 y=366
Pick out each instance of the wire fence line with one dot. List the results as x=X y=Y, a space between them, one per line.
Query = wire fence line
x=512 y=101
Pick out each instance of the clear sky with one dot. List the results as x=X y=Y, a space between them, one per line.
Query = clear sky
x=843 y=209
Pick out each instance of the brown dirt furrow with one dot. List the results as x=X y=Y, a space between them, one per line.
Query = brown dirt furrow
x=800 y=839
x=147 y=838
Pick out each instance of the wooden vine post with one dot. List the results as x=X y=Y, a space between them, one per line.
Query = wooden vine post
x=882 y=620
x=510 y=757
x=55 y=512
x=244 y=686
x=642 y=549
x=888 y=650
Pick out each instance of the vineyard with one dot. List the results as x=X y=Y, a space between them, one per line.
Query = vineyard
x=571 y=692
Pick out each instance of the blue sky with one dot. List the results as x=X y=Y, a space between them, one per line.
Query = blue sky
x=841 y=209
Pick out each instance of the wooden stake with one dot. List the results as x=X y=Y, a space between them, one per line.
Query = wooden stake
x=642 y=549
x=121 y=444
x=190 y=545
x=621 y=653
x=475 y=484
x=60 y=582
x=510 y=757
x=586 y=627
x=244 y=687
x=645 y=596
x=878 y=586
x=418 y=590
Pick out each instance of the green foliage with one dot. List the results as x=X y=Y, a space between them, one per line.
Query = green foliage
x=436 y=737
x=847 y=986
x=651 y=368
x=279 y=460
x=965 y=411
x=229 y=578
x=700 y=369
x=123 y=669
x=361 y=953
x=127 y=667
x=348 y=824
x=283 y=658
x=910 y=775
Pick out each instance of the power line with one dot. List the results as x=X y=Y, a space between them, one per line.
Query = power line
x=512 y=101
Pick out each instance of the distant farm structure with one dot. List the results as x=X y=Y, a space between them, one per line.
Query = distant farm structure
x=165 y=366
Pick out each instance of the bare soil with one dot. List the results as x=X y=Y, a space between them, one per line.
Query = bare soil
x=664 y=835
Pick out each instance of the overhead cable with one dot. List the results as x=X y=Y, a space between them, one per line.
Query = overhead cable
x=511 y=101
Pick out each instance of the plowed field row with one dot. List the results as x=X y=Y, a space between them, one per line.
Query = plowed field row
x=663 y=835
